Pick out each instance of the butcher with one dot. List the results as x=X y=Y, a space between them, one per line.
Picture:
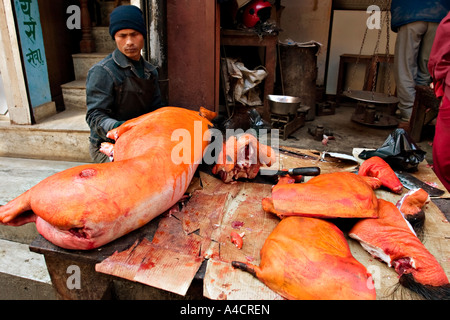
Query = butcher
x=123 y=85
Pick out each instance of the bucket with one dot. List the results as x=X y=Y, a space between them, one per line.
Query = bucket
x=283 y=105
x=299 y=74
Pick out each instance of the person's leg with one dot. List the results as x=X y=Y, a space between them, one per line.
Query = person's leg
x=407 y=48
x=423 y=75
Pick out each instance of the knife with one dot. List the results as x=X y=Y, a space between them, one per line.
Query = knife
x=411 y=182
x=304 y=171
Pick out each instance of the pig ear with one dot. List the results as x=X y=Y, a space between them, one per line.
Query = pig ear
x=379 y=168
x=205 y=113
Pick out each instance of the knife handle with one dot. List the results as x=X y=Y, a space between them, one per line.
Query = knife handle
x=305 y=171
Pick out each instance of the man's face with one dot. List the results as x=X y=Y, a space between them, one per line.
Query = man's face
x=130 y=42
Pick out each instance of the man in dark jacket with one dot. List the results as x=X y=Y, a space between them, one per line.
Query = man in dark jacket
x=123 y=85
x=415 y=22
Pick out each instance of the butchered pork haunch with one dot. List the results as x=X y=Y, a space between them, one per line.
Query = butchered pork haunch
x=309 y=258
x=90 y=205
x=390 y=239
x=329 y=195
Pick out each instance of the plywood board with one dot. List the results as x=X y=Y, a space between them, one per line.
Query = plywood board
x=223 y=282
x=152 y=265
x=245 y=216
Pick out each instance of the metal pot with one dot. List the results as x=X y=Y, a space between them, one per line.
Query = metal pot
x=283 y=105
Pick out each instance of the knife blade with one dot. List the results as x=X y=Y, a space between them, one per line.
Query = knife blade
x=411 y=182
x=304 y=171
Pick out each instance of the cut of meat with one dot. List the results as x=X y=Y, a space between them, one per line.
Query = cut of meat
x=377 y=167
x=330 y=195
x=308 y=258
x=411 y=207
x=390 y=239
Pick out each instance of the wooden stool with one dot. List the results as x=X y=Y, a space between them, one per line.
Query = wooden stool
x=425 y=109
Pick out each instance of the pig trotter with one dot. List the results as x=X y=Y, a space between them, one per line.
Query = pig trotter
x=10 y=214
x=244 y=267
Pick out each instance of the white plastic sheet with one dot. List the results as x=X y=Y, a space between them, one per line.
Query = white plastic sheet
x=241 y=83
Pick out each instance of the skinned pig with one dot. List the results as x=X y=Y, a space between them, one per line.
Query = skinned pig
x=88 y=206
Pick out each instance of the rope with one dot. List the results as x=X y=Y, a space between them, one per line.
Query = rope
x=385 y=8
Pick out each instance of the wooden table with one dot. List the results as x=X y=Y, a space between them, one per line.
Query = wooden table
x=94 y=285
x=188 y=253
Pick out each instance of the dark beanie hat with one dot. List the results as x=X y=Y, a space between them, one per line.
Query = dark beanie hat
x=126 y=17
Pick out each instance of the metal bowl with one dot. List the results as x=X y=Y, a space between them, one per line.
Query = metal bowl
x=283 y=104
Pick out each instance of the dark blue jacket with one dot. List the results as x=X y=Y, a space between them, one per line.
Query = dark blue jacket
x=101 y=89
x=407 y=11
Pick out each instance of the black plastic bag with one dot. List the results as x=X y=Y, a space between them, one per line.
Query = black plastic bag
x=399 y=151
x=256 y=121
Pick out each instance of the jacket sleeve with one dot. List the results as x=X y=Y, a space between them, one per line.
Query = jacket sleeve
x=100 y=100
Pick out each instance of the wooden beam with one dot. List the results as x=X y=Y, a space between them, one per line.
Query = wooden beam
x=87 y=43
x=11 y=68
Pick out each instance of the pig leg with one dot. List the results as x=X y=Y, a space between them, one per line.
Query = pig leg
x=69 y=239
x=108 y=149
x=10 y=214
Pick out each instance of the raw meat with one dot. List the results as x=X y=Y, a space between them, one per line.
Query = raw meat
x=330 y=195
x=391 y=239
x=241 y=157
x=308 y=258
x=88 y=206
x=411 y=205
x=412 y=202
x=377 y=167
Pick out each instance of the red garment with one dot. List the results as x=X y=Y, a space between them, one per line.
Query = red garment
x=439 y=62
x=441 y=150
x=439 y=67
